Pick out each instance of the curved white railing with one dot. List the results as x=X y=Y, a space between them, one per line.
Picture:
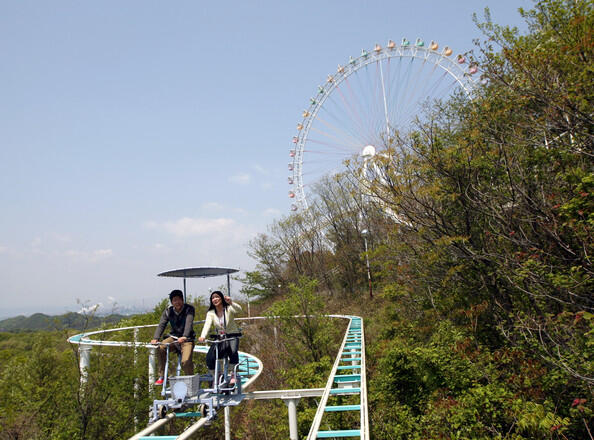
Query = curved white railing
x=350 y=358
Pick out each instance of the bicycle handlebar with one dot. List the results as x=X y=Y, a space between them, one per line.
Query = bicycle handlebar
x=227 y=337
x=175 y=340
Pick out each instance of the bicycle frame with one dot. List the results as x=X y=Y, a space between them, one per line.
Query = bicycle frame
x=220 y=393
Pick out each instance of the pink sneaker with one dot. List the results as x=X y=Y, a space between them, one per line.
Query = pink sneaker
x=159 y=381
x=232 y=381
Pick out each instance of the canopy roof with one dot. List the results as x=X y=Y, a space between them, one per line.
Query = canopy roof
x=198 y=272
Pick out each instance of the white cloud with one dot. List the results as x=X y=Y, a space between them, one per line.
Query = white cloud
x=200 y=241
x=61 y=238
x=150 y=224
x=266 y=186
x=72 y=253
x=92 y=257
x=212 y=206
x=260 y=169
x=3 y=249
x=272 y=212
x=102 y=253
x=240 y=179
x=87 y=310
x=185 y=227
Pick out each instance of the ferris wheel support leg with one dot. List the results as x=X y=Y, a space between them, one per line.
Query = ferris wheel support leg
x=292 y=410
x=227 y=423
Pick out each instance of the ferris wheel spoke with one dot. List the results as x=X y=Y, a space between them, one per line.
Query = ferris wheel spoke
x=402 y=82
x=385 y=101
x=379 y=95
x=346 y=139
x=407 y=98
x=412 y=100
x=423 y=81
x=333 y=154
x=350 y=128
x=347 y=150
x=355 y=115
x=431 y=88
x=365 y=90
x=346 y=115
x=355 y=112
x=375 y=96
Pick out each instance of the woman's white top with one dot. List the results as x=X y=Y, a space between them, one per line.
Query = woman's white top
x=219 y=323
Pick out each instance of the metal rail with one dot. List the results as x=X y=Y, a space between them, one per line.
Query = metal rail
x=346 y=378
x=249 y=367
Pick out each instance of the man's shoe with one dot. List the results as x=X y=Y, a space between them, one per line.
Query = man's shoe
x=232 y=381
x=159 y=381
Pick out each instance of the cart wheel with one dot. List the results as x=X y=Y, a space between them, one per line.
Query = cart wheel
x=181 y=409
x=202 y=409
x=162 y=411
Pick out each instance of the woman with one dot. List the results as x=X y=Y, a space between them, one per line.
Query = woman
x=221 y=314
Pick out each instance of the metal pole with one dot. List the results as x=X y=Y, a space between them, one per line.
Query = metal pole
x=275 y=336
x=84 y=351
x=292 y=410
x=367 y=262
x=227 y=423
x=228 y=285
x=184 y=289
x=152 y=367
x=136 y=386
x=153 y=427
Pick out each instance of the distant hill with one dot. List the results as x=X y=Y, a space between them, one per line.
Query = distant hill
x=71 y=320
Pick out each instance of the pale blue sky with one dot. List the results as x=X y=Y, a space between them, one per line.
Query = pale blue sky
x=143 y=136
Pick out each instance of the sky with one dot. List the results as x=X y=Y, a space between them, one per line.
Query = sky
x=142 y=136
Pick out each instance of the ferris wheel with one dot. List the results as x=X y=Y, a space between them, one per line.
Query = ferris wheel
x=361 y=106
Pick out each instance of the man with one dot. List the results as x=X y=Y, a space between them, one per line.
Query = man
x=181 y=318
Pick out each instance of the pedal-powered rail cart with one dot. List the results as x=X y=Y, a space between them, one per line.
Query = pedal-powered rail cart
x=202 y=392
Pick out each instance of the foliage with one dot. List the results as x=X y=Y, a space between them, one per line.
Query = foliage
x=254 y=286
x=325 y=243
x=307 y=335
x=71 y=320
x=490 y=235
x=40 y=397
x=447 y=386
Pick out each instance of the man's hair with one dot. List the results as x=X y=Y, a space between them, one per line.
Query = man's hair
x=175 y=293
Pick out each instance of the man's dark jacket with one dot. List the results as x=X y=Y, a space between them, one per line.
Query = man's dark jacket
x=181 y=323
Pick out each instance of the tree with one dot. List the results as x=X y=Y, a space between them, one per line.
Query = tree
x=307 y=334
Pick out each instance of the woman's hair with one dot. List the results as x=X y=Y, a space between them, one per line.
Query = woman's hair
x=220 y=294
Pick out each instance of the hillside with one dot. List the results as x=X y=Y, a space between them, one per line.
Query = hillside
x=70 y=320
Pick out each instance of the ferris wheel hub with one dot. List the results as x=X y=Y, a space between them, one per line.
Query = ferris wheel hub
x=368 y=151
